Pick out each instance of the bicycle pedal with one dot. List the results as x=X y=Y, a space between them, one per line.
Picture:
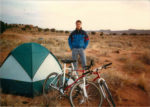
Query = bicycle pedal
x=52 y=84
x=61 y=90
x=81 y=101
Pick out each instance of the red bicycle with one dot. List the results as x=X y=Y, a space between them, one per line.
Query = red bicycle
x=80 y=100
x=84 y=93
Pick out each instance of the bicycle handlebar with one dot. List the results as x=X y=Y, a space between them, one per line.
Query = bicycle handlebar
x=89 y=66
x=99 y=68
x=102 y=67
x=105 y=66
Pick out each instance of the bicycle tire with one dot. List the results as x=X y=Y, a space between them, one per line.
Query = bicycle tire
x=109 y=99
x=51 y=98
x=77 y=85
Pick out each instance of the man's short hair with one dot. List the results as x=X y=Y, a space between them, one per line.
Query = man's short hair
x=78 y=21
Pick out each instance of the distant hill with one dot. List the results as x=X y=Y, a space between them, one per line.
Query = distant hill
x=32 y=28
x=25 y=27
x=129 y=31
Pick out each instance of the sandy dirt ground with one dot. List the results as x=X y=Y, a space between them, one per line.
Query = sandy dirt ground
x=128 y=77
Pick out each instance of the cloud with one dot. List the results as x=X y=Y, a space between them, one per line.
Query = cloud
x=109 y=14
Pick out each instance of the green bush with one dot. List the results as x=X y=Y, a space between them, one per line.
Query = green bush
x=93 y=33
x=3 y=27
x=61 y=31
x=53 y=30
x=39 y=29
x=114 y=34
x=66 y=31
x=101 y=33
x=23 y=29
x=45 y=30
x=124 y=33
x=134 y=34
x=27 y=27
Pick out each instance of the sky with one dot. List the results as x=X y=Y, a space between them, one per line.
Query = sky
x=62 y=14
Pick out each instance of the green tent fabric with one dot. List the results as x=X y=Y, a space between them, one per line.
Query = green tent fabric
x=30 y=56
x=25 y=69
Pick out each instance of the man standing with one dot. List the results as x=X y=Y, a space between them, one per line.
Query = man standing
x=78 y=41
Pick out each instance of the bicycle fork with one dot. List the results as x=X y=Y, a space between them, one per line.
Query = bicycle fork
x=100 y=81
x=84 y=87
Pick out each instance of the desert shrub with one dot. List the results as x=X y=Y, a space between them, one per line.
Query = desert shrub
x=141 y=82
x=134 y=34
x=23 y=29
x=53 y=30
x=129 y=44
x=3 y=27
x=133 y=66
x=114 y=34
x=124 y=33
x=141 y=34
x=115 y=44
x=145 y=58
x=146 y=34
x=60 y=57
x=116 y=51
x=5 y=44
x=46 y=30
x=122 y=59
x=104 y=54
x=9 y=26
x=39 y=29
x=27 y=27
x=101 y=33
x=60 y=31
x=93 y=33
x=66 y=31
x=114 y=79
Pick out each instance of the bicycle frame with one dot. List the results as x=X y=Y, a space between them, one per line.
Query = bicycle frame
x=100 y=80
x=74 y=82
x=64 y=77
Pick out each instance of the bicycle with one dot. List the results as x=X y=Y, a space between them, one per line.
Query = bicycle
x=102 y=86
x=57 y=85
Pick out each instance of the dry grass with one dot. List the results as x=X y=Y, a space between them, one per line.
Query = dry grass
x=12 y=100
x=122 y=59
x=115 y=79
x=145 y=58
x=141 y=82
x=55 y=45
x=4 y=44
x=100 y=49
x=132 y=66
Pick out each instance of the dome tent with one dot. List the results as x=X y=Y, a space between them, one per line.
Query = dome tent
x=25 y=69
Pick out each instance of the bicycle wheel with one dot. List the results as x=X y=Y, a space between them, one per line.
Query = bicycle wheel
x=109 y=100
x=51 y=94
x=77 y=97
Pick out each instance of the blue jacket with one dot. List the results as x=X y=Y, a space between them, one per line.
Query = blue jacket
x=78 y=39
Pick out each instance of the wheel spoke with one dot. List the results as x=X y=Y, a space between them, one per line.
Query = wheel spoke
x=80 y=100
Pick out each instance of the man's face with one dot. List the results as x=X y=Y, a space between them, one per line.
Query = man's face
x=78 y=25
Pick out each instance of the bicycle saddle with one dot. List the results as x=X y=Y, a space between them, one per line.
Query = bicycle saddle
x=68 y=61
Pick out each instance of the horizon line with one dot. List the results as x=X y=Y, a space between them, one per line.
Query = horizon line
x=73 y=29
